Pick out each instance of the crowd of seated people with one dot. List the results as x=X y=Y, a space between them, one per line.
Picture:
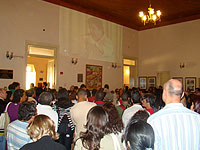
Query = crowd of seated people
x=100 y=119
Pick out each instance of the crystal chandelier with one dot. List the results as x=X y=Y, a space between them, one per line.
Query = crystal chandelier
x=151 y=16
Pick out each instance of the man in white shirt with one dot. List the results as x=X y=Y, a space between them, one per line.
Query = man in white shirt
x=79 y=112
x=175 y=126
x=44 y=107
x=129 y=112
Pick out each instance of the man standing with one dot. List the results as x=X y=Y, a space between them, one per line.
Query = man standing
x=16 y=131
x=125 y=104
x=79 y=112
x=175 y=127
x=44 y=107
x=129 y=112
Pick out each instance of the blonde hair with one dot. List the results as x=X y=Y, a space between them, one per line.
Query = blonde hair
x=41 y=126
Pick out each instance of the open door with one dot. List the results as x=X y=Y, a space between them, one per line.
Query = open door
x=43 y=61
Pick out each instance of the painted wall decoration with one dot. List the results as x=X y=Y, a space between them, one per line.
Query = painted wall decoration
x=93 y=76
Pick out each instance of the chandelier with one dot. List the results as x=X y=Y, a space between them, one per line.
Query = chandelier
x=151 y=16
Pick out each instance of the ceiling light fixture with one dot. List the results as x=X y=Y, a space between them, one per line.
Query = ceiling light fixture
x=151 y=17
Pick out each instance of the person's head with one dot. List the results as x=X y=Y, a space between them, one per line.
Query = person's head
x=16 y=85
x=9 y=96
x=96 y=127
x=45 y=98
x=94 y=91
x=106 y=86
x=135 y=97
x=27 y=111
x=44 y=84
x=3 y=93
x=32 y=85
x=139 y=135
x=99 y=95
x=173 y=91
x=41 y=126
x=115 y=123
x=148 y=100
x=196 y=104
x=82 y=95
x=19 y=96
x=125 y=96
x=140 y=115
x=83 y=86
x=30 y=93
x=63 y=98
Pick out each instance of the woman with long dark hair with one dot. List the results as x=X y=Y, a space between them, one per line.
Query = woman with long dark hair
x=95 y=137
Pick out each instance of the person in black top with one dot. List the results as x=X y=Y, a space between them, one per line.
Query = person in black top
x=42 y=131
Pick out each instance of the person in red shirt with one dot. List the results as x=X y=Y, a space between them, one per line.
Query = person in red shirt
x=148 y=101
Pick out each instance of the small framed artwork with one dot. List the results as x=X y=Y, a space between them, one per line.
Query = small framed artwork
x=80 y=77
x=179 y=78
x=190 y=83
x=6 y=74
x=143 y=82
x=151 y=81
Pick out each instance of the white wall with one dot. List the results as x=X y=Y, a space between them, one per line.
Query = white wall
x=23 y=20
x=164 y=48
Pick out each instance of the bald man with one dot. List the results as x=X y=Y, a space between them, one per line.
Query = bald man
x=175 y=126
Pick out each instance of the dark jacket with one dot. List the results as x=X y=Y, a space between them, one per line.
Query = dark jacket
x=45 y=143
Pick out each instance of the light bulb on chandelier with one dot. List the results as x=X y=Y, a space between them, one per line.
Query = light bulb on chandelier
x=151 y=16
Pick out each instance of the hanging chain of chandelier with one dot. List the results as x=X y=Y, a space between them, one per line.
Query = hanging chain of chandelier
x=151 y=16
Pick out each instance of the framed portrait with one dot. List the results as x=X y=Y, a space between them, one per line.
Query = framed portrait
x=142 y=82
x=190 y=83
x=179 y=78
x=151 y=81
x=93 y=77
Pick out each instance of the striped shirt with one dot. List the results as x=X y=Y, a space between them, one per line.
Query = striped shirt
x=17 y=135
x=176 y=128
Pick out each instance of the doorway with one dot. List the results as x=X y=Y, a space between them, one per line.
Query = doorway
x=40 y=66
x=129 y=73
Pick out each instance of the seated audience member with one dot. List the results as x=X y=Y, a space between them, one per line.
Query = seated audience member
x=125 y=104
x=139 y=135
x=129 y=112
x=79 y=112
x=95 y=138
x=65 y=125
x=99 y=97
x=92 y=98
x=42 y=132
x=175 y=126
x=44 y=107
x=18 y=98
x=31 y=94
x=17 y=135
x=148 y=101
x=3 y=102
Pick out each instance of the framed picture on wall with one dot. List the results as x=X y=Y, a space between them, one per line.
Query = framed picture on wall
x=142 y=82
x=93 y=77
x=179 y=78
x=190 y=83
x=151 y=81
